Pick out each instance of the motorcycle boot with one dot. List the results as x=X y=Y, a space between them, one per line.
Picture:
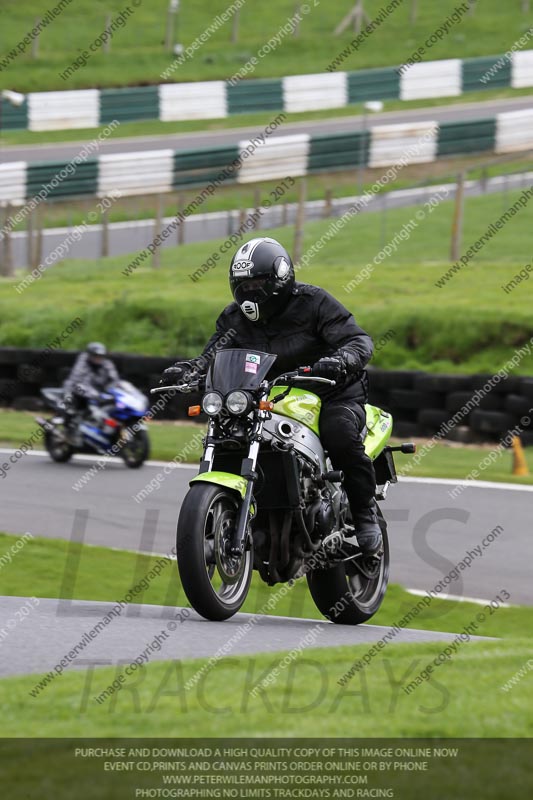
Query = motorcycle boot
x=368 y=531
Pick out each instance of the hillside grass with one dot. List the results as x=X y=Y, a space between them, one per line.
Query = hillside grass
x=470 y=325
x=138 y=56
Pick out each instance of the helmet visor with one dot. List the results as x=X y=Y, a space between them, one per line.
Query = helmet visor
x=256 y=290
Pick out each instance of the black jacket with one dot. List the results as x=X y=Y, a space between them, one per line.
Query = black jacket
x=312 y=325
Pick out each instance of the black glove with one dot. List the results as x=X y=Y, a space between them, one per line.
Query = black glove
x=331 y=367
x=183 y=372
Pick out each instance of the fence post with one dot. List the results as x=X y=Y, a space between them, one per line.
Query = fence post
x=35 y=41
x=105 y=233
x=29 y=238
x=6 y=260
x=326 y=212
x=156 y=258
x=257 y=206
x=458 y=215
x=383 y=227
x=38 y=250
x=106 y=45
x=300 y=221
x=296 y=15
x=181 y=226
x=235 y=27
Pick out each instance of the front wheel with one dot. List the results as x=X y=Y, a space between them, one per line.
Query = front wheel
x=216 y=583
x=347 y=596
x=57 y=444
x=136 y=449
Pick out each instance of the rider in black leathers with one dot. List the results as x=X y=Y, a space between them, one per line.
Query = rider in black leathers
x=304 y=325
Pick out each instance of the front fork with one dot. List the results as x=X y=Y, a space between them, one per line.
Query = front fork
x=248 y=472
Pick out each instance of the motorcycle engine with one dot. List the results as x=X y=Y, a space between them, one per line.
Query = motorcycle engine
x=325 y=518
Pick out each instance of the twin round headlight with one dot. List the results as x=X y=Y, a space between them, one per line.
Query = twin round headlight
x=236 y=403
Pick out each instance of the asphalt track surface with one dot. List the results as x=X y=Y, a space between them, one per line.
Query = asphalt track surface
x=452 y=113
x=429 y=531
x=51 y=630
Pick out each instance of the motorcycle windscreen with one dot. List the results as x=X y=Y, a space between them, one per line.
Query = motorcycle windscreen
x=238 y=369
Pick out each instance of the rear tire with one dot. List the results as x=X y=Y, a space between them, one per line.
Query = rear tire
x=216 y=586
x=343 y=595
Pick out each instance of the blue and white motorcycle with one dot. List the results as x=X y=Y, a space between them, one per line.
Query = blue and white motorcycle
x=112 y=425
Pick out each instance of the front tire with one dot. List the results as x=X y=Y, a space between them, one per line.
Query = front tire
x=216 y=585
x=57 y=445
x=136 y=450
x=344 y=595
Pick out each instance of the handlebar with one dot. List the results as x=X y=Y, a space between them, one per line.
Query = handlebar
x=301 y=374
x=185 y=387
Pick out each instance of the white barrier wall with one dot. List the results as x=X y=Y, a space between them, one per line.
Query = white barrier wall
x=413 y=143
x=314 y=92
x=136 y=173
x=522 y=69
x=276 y=158
x=181 y=101
x=432 y=79
x=514 y=131
x=49 y=111
x=13 y=182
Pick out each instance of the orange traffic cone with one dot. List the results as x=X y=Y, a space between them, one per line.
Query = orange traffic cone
x=520 y=466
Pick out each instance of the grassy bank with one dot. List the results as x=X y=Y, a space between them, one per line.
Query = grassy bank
x=137 y=54
x=166 y=312
x=463 y=699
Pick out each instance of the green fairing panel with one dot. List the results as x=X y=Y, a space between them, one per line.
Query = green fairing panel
x=226 y=479
x=299 y=405
x=379 y=424
x=304 y=406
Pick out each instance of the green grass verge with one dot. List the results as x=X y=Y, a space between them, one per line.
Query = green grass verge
x=470 y=325
x=168 y=439
x=137 y=54
x=57 y=568
x=463 y=698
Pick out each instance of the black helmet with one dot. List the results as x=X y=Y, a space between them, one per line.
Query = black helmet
x=96 y=352
x=261 y=277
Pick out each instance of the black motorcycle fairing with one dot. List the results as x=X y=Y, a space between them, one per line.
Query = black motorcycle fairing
x=235 y=369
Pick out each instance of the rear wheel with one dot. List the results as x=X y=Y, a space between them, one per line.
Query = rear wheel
x=215 y=582
x=57 y=444
x=347 y=594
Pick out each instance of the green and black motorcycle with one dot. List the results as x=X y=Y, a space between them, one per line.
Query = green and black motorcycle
x=266 y=496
